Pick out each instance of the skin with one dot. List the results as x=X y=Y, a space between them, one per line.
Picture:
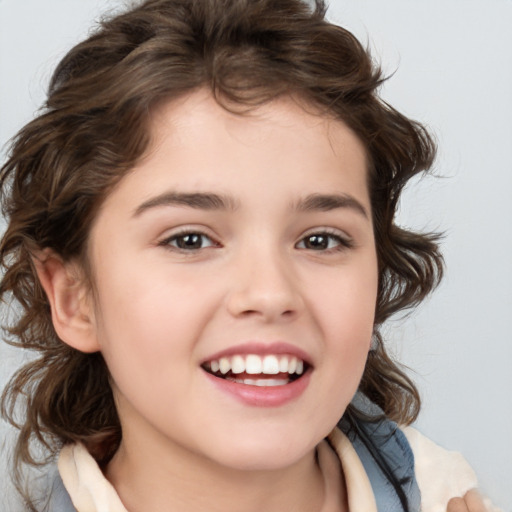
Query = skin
x=159 y=308
x=471 y=502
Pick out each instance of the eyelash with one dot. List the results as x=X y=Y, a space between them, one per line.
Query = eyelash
x=341 y=243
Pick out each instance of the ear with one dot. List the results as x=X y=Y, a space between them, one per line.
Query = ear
x=70 y=302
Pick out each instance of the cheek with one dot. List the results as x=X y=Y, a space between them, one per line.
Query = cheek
x=146 y=348
x=346 y=299
x=151 y=319
x=346 y=314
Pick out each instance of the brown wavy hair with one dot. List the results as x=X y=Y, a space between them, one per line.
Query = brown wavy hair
x=95 y=127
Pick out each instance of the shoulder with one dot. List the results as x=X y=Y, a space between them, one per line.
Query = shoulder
x=442 y=474
x=439 y=467
x=406 y=469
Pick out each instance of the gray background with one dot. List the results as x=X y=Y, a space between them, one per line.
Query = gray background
x=452 y=65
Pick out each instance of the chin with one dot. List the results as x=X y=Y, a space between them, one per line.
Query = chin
x=259 y=462
x=264 y=453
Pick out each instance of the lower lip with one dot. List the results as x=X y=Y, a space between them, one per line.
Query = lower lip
x=263 y=396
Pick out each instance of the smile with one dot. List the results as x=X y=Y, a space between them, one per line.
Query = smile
x=261 y=375
x=255 y=370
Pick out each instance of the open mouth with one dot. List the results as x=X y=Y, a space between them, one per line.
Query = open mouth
x=254 y=370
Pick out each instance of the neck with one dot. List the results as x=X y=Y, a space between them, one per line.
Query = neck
x=170 y=481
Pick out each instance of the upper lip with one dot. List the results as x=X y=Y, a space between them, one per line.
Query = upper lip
x=261 y=349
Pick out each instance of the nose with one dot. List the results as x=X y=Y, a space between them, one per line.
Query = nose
x=265 y=286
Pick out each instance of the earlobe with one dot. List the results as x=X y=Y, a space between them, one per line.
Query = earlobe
x=71 y=308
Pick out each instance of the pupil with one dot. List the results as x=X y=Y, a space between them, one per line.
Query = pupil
x=317 y=242
x=190 y=242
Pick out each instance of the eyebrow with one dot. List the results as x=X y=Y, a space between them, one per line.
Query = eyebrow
x=197 y=200
x=212 y=201
x=328 y=202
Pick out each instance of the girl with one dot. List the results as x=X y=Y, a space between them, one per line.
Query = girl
x=202 y=243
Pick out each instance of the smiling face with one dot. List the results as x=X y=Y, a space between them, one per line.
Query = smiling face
x=235 y=283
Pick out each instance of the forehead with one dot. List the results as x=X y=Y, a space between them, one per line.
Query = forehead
x=284 y=147
x=292 y=113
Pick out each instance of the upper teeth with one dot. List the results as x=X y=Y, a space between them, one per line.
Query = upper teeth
x=254 y=364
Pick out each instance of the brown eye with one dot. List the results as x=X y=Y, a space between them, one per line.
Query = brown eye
x=316 y=242
x=323 y=242
x=189 y=241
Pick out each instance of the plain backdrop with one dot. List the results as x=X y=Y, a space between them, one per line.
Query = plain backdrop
x=450 y=63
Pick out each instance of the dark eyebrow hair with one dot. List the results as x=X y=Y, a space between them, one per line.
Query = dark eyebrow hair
x=326 y=202
x=211 y=201
x=198 y=200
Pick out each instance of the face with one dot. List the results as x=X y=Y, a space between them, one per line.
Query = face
x=235 y=282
